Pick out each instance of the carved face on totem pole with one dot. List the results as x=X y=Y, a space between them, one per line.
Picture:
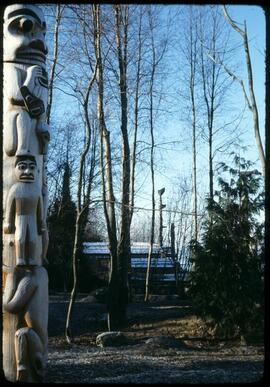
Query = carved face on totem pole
x=26 y=169
x=24 y=35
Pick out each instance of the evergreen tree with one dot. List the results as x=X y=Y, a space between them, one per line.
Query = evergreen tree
x=226 y=282
x=61 y=222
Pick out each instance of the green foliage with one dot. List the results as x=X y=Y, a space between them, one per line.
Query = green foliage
x=226 y=281
x=61 y=222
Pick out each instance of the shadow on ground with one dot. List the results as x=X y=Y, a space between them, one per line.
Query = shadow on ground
x=165 y=345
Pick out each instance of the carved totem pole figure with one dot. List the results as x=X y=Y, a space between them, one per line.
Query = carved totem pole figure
x=25 y=236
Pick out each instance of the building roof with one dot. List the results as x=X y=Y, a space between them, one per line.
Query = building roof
x=136 y=248
x=139 y=253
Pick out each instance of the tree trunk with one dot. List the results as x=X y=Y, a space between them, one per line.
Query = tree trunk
x=55 y=59
x=134 y=146
x=193 y=65
x=107 y=183
x=173 y=255
x=152 y=231
x=75 y=255
x=123 y=250
x=136 y=114
x=80 y=207
x=209 y=89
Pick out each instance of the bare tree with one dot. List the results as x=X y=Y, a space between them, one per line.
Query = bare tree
x=80 y=209
x=82 y=204
x=213 y=81
x=156 y=58
x=59 y=12
x=114 y=317
x=118 y=232
x=136 y=114
x=251 y=100
x=190 y=49
x=121 y=23
x=209 y=83
x=181 y=217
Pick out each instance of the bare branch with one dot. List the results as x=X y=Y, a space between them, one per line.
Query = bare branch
x=234 y=77
x=232 y=22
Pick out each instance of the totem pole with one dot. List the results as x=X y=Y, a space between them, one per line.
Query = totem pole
x=25 y=236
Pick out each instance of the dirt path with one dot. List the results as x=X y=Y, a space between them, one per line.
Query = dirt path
x=165 y=345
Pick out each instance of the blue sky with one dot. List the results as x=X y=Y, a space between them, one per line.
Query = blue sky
x=255 y=19
x=178 y=163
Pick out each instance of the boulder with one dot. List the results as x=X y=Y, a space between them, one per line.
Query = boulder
x=91 y=299
x=111 y=339
x=101 y=295
x=164 y=342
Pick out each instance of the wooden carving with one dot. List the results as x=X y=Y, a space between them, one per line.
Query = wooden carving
x=25 y=237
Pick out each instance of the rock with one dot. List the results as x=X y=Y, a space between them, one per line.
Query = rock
x=111 y=339
x=165 y=342
x=92 y=299
x=101 y=295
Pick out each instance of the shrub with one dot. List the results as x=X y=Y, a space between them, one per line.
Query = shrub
x=226 y=281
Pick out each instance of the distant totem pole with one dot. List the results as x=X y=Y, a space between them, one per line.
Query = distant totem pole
x=25 y=235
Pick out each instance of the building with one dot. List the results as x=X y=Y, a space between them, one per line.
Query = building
x=165 y=272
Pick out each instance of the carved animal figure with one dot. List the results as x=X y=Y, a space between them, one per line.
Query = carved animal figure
x=26 y=295
x=24 y=211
